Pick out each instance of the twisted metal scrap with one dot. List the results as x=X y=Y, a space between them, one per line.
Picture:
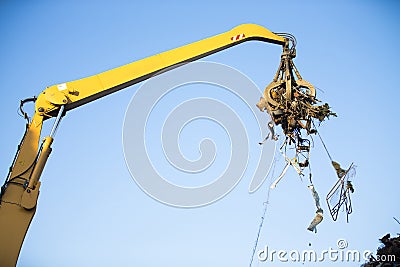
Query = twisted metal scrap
x=339 y=195
x=291 y=100
x=319 y=213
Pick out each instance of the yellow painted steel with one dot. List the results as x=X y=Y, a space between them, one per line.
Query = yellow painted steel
x=79 y=92
x=14 y=218
x=19 y=196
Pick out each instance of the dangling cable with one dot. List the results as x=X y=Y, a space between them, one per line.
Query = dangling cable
x=323 y=143
x=21 y=112
x=263 y=216
x=291 y=39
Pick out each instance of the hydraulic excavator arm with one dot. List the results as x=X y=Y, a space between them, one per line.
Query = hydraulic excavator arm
x=20 y=191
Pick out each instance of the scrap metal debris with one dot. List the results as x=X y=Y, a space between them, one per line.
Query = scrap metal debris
x=339 y=171
x=271 y=133
x=291 y=101
x=339 y=195
x=319 y=213
x=387 y=254
x=289 y=162
x=292 y=104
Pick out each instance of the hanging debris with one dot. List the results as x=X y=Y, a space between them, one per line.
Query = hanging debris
x=319 y=213
x=339 y=195
x=290 y=100
x=289 y=162
x=339 y=171
x=271 y=133
x=292 y=104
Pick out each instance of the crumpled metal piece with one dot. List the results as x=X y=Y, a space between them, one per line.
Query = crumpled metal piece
x=271 y=133
x=339 y=195
x=289 y=162
x=317 y=220
x=319 y=213
x=291 y=101
x=339 y=171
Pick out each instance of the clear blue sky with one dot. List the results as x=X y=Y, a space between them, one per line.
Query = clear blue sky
x=90 y=211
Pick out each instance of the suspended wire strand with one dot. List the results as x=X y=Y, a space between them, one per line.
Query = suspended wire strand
x=323 y=143
x=263 y=215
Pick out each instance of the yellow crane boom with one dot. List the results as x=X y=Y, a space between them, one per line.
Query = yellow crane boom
x=20 y=191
